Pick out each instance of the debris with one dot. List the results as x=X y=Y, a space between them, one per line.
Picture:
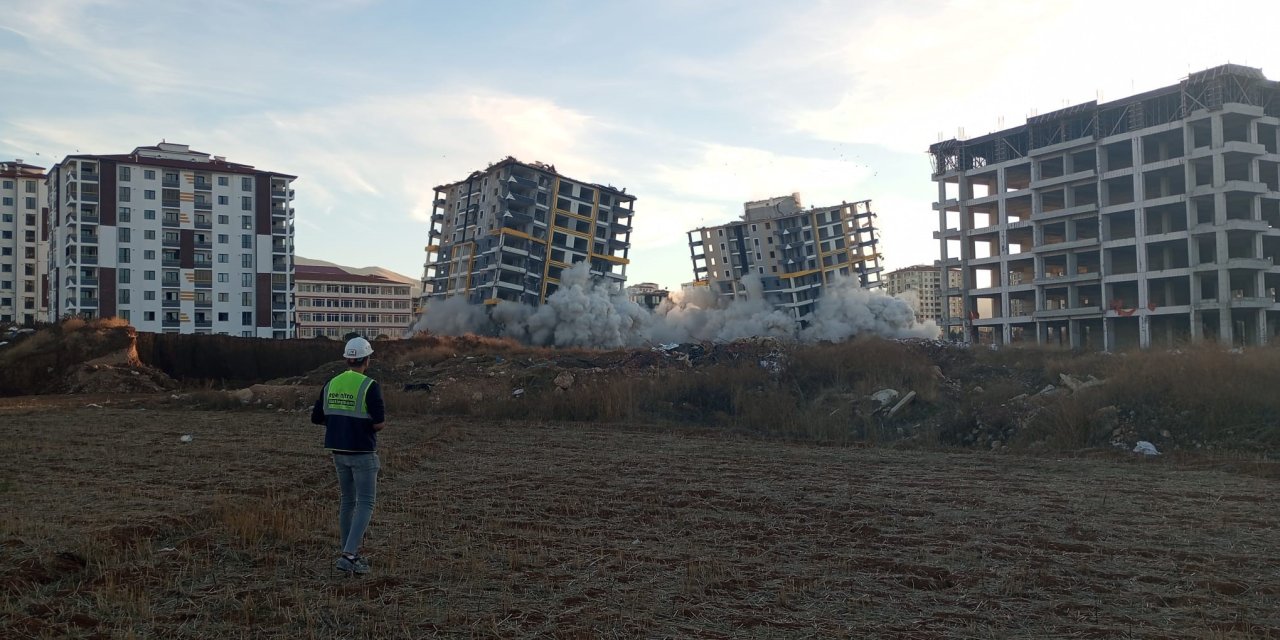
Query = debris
x=186 y=438
x=911 y=395
x=245 y=396
x=1079 y=385
x=518 y=393
x=94 y=404
x=564 y=381
x=418 y=386
x=885 y=397
x=1145 y=448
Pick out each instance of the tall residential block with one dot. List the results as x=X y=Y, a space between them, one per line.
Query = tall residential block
x=334 y=300
x=24 y=235
x=793 y=251
x=508 y=232
x=922 y=284
x=173 y=240
x=1146 y=220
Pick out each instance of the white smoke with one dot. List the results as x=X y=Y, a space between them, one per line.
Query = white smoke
x=585 y=312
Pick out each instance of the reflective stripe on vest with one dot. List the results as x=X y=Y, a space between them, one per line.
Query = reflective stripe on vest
x=345 y=395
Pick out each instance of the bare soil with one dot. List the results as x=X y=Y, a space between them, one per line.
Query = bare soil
x=111 y=526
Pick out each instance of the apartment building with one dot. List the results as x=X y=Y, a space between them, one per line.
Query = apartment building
x=172 y=240
x=334 y=301
x=793 y=251
x=24 y=235
x=922 y=285
x=1151 y=219
x=508 y=231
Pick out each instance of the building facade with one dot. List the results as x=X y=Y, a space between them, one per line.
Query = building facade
x=172 y=240
x=793 y=251
x=507 y=233
x=334 y=301
x=1147 y=220
x=24 y=244
x=647 y=294
x=922 y=286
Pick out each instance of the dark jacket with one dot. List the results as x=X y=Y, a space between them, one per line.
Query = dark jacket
x=345 y=433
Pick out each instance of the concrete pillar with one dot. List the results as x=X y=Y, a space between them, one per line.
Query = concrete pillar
x=1144 y=329
x=1073 y=332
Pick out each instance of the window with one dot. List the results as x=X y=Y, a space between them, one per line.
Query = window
x=246 y=184
x=223 y=258
x=124 y=296
x=246 y=222
x=148 y=295
x=124 y=276
x=6 y=201
x=223 y=219
x=222 y=316
x=124 y=214
x=124 y=194
x=124 y=314
x=122 y=234
x=222 y=277
x=148 y=254
x=223 y=200
x=246 y=299
x=148 y=234
x=149 y=194
x=246 y=318
x=148 y=275
x=30 y=202
x=223 y=239
x=124 y=174
x=149 y=214
x=8 y=184
x=246 y=203
x=123 y=257
x=246 y=279
x=224 y=297
x=222 y=181
x=149 y=316
x=246 y=260
x=149 y=174
x=246 y=241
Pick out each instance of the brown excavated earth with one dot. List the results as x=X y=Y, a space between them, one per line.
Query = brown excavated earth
x=111 y=526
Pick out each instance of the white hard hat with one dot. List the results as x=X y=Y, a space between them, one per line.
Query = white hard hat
x=357 y=348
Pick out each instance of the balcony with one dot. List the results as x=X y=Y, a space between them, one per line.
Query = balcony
x=88 y=197
x=204 y=205
x=170 y=304
x=88 y=259
x=203 y=224
x=89 y=218
x=89 y=176
x=279 y=193
x=89 y=238
x=170 y=323
x=522 y=181
x=88 y=303
x=170 y=242
x=171 y=204
x=204 y=304
x=170 y=182
x=204 y=185
x=87 y=281
x=279 y=324
x=170 y=221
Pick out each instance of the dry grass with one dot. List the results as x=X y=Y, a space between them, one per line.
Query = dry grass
x=114 y=528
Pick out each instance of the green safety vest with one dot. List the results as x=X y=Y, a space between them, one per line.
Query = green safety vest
x=344 y=395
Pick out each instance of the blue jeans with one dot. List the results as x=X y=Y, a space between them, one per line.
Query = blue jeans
x=358 y=480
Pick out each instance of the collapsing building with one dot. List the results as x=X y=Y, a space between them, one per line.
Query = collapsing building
x=793 y=251
x=507 y=233
x=1150 y=219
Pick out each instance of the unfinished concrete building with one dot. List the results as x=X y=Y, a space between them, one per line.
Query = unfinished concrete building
x=1148 y=220
x=792 y=250
x=508 y=231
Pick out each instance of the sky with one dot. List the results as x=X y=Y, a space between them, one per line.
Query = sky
x=694 y=106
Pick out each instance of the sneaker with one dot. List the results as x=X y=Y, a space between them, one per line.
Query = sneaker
x=353 y=564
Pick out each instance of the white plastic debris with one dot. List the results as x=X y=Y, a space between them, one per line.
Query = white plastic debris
x=94 y=404
x=186 y=438
x=1145 y=448
x=885 y=397
x=517 y=393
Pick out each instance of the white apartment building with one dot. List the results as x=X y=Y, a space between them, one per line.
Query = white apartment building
x=172 y=240
x=794 y=251
x=334 y=300
x=922 y=285
x=23 y=244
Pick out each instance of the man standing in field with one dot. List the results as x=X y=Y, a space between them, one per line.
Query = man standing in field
x=351 y=408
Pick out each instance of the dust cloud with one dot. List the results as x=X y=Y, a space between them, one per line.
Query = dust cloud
x=584 y=312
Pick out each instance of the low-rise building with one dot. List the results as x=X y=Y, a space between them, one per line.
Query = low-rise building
x=647 y=294
x=333 y=301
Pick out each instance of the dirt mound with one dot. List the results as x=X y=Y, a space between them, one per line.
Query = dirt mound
x=117 y=378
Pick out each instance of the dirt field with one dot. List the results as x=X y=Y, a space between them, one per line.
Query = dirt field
x=112 y=527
